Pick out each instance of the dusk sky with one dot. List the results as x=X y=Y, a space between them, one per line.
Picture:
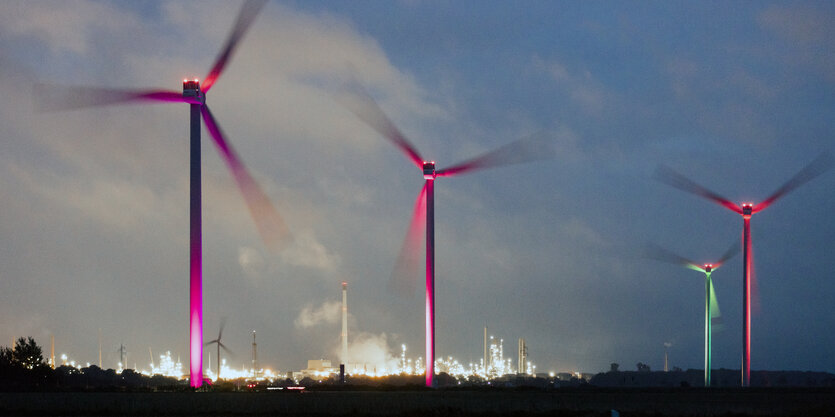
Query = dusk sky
x=737 y=96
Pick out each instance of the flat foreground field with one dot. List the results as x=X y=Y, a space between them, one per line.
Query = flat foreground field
x=587 y=402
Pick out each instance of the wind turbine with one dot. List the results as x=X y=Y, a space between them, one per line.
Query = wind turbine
x=711 y=305
x=271 y=227
x=219 y=344
x=670 y=177
x=524 y=150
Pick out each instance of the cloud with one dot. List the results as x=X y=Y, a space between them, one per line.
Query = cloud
x=583 y=88
x=64 y=25
x=802 y=24
x=580 y=231
x=810 y=35
x=328 y=313
x=251 y=261
x=307 y=251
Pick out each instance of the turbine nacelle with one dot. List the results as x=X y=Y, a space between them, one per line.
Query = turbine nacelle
x=708 y=267
x=747 y=210
x=191 y=90
x=429 y=170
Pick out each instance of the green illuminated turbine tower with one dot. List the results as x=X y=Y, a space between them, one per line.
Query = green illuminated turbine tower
x=711 y=305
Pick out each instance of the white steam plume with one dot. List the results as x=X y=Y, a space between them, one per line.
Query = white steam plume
x=329 y=312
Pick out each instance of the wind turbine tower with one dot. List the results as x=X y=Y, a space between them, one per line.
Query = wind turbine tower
x=519 y=151
x=267 y=221
x=344 y=322
x=666 y=363
x=818 y=166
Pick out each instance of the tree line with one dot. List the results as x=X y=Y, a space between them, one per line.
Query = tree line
x=23 y=368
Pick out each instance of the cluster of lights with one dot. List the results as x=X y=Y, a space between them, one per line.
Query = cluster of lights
x=250 y=374
x=65 y=360
x=499 y=366
x=167 y=367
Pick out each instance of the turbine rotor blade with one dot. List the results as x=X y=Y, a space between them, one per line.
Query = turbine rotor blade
x=226 y=349
x=407 y=268
x=50 y=98
x=356 y=100
x=269 y=223
x=715 y=313
x=531 y=148
x=817 y=167
x=246 y=16
x=658 y=253
x=730 y=253
x=672 y=178
x=222 y=325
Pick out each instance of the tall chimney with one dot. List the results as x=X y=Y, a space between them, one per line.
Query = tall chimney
x=344 y=322
x=486 y=351
x=254 y=357
x=521 y=367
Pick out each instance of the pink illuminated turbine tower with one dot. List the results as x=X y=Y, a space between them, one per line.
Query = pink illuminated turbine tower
x=820 y=165
x=269 y=223
x=528 y=149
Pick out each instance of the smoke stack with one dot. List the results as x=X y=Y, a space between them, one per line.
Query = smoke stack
x=344 y=322
x=486 y=358
x=521 y=367
x=254 y=356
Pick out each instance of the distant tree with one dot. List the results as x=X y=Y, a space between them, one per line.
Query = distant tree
x=8 y=371
x=614 y=367
x=676 y=369
x=307 y=382
x=642 y=367
x=131 y=378
x=27 y=353
x=23 y=366
x=476 y=380
x=444 y=379
x=6 y=357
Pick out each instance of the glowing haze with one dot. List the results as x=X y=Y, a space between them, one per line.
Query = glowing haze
x=94 y=220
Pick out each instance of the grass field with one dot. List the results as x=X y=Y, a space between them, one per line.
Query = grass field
x=588 y=402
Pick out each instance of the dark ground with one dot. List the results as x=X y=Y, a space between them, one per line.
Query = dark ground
x=562 y=402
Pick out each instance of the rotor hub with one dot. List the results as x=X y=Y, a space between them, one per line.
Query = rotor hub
x=429 y=170
x=191 y=90
x=747 y=210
